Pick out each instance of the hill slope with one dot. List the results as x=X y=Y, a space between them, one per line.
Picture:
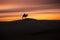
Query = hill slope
x=31 y=27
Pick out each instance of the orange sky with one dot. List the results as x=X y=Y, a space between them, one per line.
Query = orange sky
x=37 y=11
x=36 y=15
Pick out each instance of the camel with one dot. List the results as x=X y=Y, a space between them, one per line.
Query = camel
x=24 y=16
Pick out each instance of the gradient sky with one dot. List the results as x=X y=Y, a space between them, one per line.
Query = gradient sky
x=38 y=9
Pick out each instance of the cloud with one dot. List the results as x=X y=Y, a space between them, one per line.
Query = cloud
x=56 y=5
x=10 y=16
x=41 y=1
x=28 y=9
x=29 y=1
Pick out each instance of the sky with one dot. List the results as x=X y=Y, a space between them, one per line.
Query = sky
x=11 y=10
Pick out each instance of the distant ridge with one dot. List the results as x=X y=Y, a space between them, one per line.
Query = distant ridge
x=28 y=19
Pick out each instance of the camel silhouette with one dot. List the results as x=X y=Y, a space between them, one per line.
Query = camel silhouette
x=24 y=16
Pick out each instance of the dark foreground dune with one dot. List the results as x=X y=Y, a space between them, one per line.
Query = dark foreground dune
x=30 y=29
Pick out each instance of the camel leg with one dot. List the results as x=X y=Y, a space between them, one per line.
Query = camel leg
x=23 y=17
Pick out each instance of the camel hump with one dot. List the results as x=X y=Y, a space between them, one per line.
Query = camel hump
x=25 y=15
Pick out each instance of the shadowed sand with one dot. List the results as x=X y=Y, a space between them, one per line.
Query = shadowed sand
x=30 y=29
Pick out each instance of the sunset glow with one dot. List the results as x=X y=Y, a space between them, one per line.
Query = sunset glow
x=39 y=11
